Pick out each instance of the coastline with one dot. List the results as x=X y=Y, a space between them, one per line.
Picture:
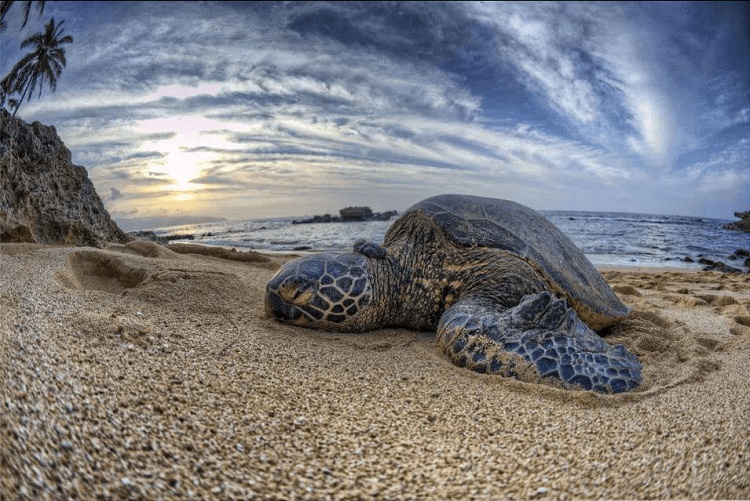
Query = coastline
x=629 y=268
x=606 y=238
x=140 y=372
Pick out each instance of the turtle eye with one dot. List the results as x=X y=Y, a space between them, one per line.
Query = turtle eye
x=296 y=293
x=302 y=296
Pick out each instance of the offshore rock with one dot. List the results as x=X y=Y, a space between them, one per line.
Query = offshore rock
x=147 y=235
x=742 y=225
x=356 y=214
x=44 y=198
x=350 y=214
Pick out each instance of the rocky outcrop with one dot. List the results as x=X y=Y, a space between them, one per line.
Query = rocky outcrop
x=742 y=225
x=44 y=198
x=355 y=213
x=350 y=214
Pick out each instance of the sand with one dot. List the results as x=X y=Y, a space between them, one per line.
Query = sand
x=138 y=372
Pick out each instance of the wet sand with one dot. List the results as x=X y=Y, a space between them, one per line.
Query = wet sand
x=138 y=372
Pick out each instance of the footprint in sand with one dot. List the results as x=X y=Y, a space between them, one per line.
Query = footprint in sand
x=100 y=270
x=155 y=274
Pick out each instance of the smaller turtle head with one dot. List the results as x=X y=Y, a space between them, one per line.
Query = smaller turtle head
x=323 y=291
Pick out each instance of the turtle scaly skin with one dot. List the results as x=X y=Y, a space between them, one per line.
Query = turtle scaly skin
x=499 y=302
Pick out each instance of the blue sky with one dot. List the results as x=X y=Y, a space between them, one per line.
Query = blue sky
x=243 y=110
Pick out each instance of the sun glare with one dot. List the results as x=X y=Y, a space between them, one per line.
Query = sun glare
x=183 y=167
x=192 y=146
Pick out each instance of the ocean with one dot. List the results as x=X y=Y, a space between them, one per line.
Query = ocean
x=607 y=239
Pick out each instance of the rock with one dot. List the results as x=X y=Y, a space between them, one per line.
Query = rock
x=350 y=214
x=384 y=216
x=356 y=214
x=147 y=235
x=325 y=218
x=182 y=236
x=12 y=233
x=742 y=225
x=742 y=253
x=721 y=267
x=44 y=198
x=688 y=259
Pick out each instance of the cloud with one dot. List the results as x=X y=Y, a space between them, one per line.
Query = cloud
x=624 y=75
x=545 y=103
x=114 y=193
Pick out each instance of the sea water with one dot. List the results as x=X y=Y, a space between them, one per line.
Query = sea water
x=607 y=239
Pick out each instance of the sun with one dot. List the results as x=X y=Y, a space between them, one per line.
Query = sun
x=186 y=152
x=189 y=146
x=183 y=168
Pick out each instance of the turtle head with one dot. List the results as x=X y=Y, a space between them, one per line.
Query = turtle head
x=323 y=291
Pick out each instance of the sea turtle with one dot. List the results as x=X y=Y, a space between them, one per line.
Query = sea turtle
x=507 y=292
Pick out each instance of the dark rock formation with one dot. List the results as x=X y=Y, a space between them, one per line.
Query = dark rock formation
x=350 y=214
x=356 y=214
x=719 y=266
x=742 y=225
x=44 y=198
x=151 y=236
x=147 y=235
x=384 y=216
x=711 y=265
x=325 y=218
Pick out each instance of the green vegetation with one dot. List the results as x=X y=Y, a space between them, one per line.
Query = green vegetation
x=43 y=64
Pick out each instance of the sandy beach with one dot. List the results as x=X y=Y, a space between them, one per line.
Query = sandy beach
x=139 y=372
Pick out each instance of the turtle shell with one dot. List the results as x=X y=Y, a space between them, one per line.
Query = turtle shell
x=471 y=221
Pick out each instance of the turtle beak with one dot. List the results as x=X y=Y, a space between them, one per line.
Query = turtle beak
x=278 y=309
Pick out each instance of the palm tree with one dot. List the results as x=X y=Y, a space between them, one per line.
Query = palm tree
x=5 y=7
x=44 y=63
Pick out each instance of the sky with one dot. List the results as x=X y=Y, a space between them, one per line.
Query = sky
x=185 y=111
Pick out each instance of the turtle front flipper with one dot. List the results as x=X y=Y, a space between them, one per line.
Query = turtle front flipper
x=539 y=338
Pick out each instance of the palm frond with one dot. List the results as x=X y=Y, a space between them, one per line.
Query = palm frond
x=27 y=10
x=43 y=65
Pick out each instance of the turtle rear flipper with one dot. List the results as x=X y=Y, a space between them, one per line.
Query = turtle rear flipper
x=539 y=338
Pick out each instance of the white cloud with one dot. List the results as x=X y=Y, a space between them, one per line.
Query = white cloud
x=604 y=67
x=239 y=106
x=539 y=41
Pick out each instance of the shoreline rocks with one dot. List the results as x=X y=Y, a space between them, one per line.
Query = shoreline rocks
x=710 y=265
x=151 y=236
x=742 y=225
x=44 y=197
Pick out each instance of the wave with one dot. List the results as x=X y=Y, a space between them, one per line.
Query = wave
x=606 y=238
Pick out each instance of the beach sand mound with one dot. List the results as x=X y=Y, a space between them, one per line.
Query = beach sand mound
x=221 y=253
x=144 y=373
x=156 y=274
